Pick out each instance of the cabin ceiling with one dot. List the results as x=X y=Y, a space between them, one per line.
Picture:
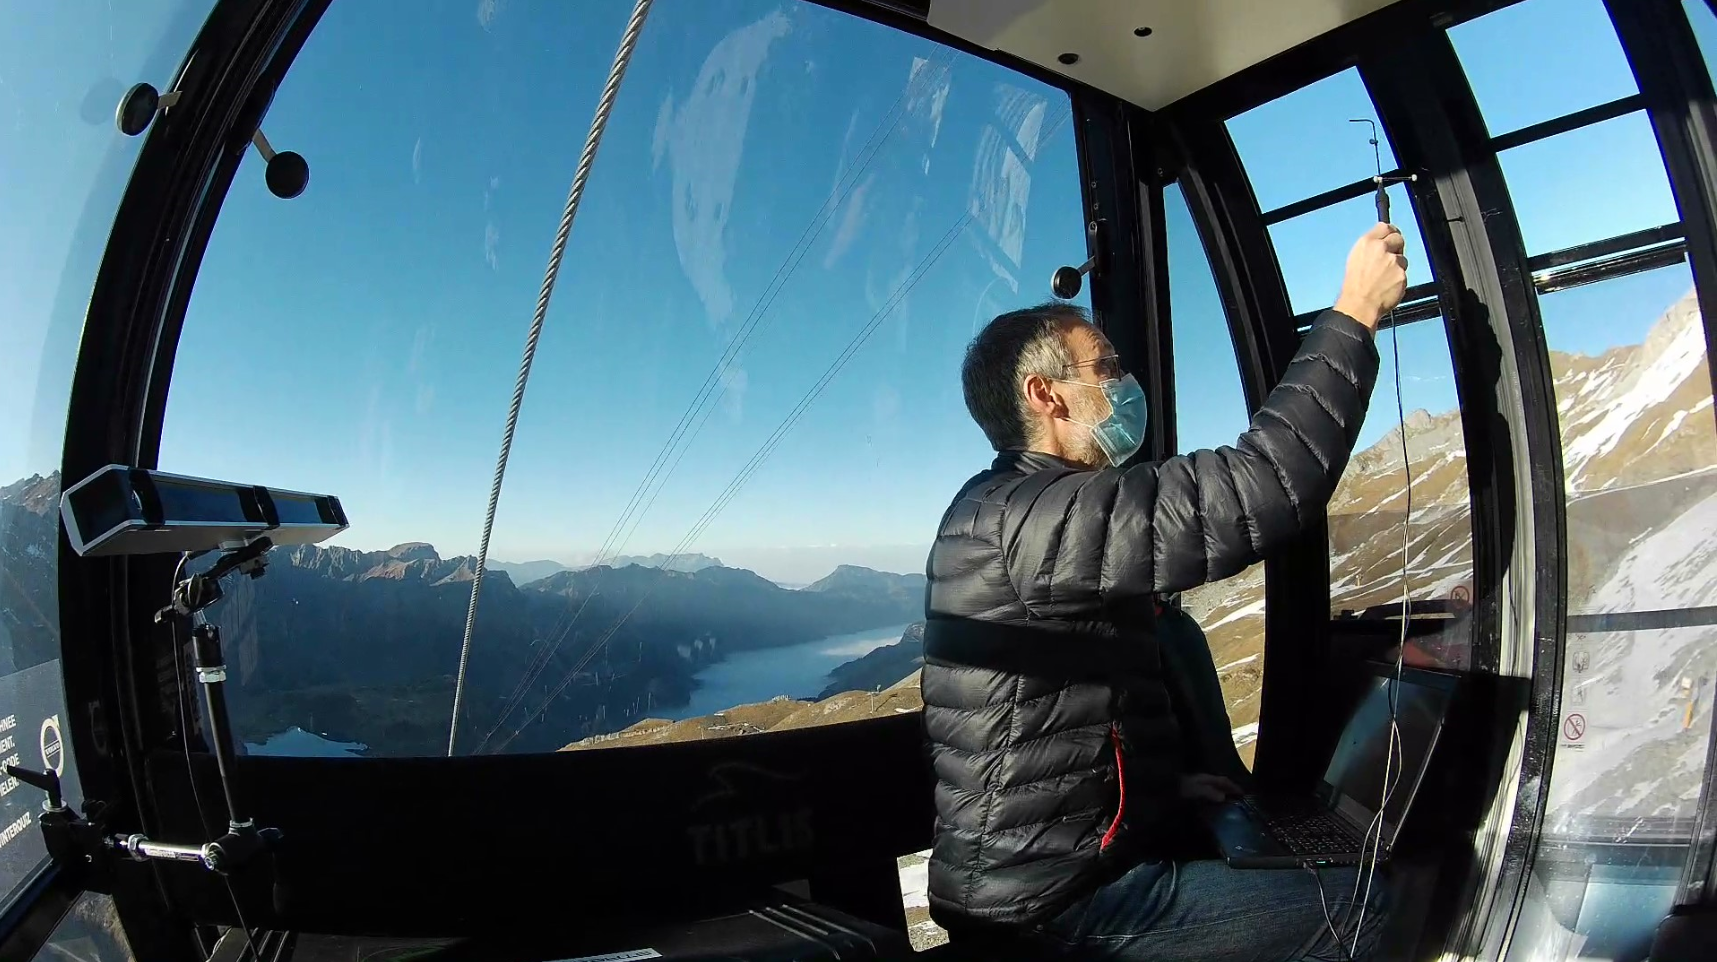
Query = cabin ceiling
x=1191 y=43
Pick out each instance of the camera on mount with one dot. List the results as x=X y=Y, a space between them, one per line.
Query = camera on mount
x=120 y=510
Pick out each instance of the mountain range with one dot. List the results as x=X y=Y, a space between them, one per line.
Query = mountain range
x=363 y=646
x=525 y=572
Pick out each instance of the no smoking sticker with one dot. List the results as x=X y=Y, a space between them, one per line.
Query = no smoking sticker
x=1574 y=726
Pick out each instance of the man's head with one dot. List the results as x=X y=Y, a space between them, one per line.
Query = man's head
x=1033 y=381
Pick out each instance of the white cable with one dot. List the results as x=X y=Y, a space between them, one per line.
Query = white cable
x=1374 y=832
x=622 y=58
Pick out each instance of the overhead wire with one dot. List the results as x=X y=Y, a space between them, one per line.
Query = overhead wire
x=762 y=454
x=703 y=403
x=605 y=106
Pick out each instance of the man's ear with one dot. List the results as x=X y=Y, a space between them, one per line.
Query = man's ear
x=1041 y=398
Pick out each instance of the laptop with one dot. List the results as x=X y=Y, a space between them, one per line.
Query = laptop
x=1329 y=826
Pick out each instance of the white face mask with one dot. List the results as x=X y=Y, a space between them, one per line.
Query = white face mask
x=1122 y=433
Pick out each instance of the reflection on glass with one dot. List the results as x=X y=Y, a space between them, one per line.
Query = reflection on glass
x=1312 y=248
x=89 y=932
x=1541 y=59
x=1639 y=442
x=65 y=67
x=1303 y=143
x=1210 y=410
x=1589 y=184
x=745 y=417
x=1370 y=546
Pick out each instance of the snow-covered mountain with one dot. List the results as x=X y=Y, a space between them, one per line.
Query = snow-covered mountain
x=1640 y=454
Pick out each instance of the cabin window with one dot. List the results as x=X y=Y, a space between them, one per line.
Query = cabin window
x=66 y=169
x=745 y=417
x=1372 y=536
x=1210 y=411
x=1369 y=545
x=1538 y=60
x=1639 y=441
x=1631 y=378
x=1312 y=248
x=1633 y=394
x=1302 y=144
x=1565 y=188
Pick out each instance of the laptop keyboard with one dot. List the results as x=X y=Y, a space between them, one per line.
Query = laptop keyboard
x=1307 y=830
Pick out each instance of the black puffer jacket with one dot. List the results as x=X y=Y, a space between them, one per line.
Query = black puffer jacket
x=1051 y=731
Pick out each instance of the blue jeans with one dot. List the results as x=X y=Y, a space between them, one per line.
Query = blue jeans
x=1208 y=912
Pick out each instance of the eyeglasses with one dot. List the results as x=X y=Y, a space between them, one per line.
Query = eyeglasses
x=1107 y=367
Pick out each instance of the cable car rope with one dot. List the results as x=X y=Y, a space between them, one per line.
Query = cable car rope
x=750 y=467
x=622 y=57
x=703 y=404
x=762 y=454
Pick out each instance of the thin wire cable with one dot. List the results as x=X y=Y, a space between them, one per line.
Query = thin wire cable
x=643 y=498
x=622 y=57
x=1370 y=869
x=1329 y=922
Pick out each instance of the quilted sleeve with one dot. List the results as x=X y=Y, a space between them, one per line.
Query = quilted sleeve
x=1207 y=515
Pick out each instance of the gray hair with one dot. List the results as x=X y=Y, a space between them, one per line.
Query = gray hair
x=1008 y=349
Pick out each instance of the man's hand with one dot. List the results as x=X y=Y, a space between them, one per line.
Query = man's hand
x=1376 y=276
x=1204 y=787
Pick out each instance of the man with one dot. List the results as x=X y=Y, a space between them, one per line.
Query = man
x=1061 y=775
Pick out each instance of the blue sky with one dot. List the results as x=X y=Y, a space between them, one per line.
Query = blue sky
x=363 y=339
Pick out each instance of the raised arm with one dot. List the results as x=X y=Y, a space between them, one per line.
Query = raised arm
x=1204 y=516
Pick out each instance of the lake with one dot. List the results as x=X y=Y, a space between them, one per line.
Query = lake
x=298 y=743
x=799 y=671
x=743 y=678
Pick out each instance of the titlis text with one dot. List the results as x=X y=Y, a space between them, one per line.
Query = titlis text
x=756 y=837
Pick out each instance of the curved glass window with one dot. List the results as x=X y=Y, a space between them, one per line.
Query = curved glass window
x=1303 y=143
x=1210 y=410
x=745 y=416
x=1570 y=53
x=1568 y=189
x=63 y=69
x=1633 y=395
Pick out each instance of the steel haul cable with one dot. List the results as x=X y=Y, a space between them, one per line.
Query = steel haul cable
x=762 y=454
x=707 y=396
x=622 y=57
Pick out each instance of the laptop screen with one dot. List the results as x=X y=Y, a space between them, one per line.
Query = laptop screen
x=1354 y=779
